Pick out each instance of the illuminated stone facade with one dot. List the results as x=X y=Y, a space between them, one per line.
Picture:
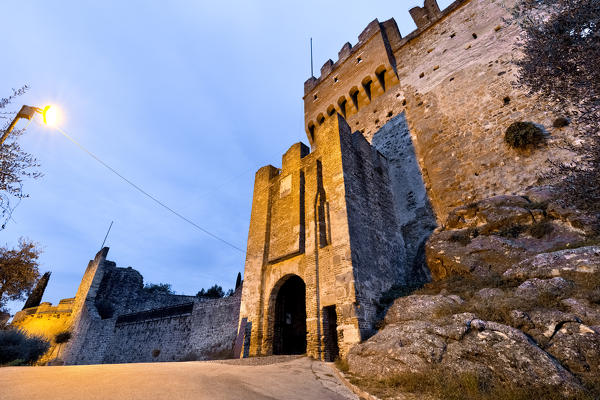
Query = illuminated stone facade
x=402 y=130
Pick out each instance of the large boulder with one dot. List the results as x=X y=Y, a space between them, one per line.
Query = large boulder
x=565 y=337
x=418 y=307
x=533 y=289
x=577 y=347
x=416 y=343
x=584 y=261
x=587 y=312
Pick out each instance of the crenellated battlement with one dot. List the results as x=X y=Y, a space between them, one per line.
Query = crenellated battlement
x=387 y=29
x=366 y=70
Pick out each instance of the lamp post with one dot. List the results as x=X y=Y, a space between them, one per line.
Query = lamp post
x=28 y=113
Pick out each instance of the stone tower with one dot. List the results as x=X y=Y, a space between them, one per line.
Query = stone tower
x=323 y=245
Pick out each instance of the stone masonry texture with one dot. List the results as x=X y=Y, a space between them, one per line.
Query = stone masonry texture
x=112 y=319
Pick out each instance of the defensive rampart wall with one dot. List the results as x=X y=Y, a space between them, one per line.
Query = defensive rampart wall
x=453 y=83
x=114 y=319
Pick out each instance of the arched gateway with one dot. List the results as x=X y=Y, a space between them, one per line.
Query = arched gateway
x=289 y=319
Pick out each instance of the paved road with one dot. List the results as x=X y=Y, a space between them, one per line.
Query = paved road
x=291 y=378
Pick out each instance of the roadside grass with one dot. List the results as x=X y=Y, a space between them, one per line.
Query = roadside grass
x=449 y=385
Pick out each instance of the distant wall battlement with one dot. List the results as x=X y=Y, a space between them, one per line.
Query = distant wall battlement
x=366 y=70
x=65 y=306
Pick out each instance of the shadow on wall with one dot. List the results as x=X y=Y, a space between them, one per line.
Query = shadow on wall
x=413 y=209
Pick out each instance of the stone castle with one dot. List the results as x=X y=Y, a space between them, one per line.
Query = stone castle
x=401 y=131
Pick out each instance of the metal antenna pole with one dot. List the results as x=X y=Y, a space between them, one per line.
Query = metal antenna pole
x=311 y=60
x=111 y=223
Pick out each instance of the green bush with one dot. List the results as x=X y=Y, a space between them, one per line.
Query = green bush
x=158 y=288
x=521 y=135
x=16 y=345
x=215 y=292
x=62 y=337
x=560 y=122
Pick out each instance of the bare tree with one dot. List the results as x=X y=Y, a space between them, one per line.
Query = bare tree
x=561 y=52
x=16 y=165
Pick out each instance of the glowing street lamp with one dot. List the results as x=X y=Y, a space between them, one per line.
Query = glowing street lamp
x=49 y=114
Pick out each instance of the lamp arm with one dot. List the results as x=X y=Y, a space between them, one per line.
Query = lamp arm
x=26 y=112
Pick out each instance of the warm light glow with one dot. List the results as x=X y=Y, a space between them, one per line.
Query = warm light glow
x=51 y=115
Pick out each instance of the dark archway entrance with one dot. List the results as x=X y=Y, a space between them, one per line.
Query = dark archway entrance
x=289 y=331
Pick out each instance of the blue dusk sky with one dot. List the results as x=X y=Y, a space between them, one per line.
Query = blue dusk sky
x=185 y=98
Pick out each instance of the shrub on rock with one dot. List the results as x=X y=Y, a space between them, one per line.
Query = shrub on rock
x=521 y=135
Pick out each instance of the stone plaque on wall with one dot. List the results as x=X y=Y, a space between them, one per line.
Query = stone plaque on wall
x=286 y=236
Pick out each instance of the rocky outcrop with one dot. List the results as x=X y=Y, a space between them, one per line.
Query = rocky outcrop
x=495 y=234
x=515 y=299
x=584 y=261
x=417 y=341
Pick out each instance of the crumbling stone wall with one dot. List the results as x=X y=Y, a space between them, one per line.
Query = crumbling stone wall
x=98 y=337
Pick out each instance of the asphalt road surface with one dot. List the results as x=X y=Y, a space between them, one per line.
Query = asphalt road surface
x=249 y=379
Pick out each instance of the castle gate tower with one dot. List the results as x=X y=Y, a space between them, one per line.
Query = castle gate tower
x=318 y=253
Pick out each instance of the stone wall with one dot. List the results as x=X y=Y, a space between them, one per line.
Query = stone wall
x=376 y=243
x=46 y=321
x=109 y=295
x=413 y=210
x=434 y=107
x=207 y=332
x=323 y=263
x=455 y=87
